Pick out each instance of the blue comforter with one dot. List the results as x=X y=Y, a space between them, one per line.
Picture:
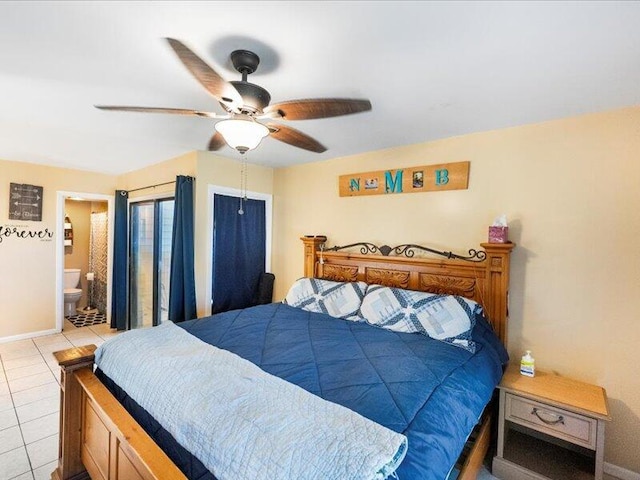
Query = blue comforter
x=431 y=391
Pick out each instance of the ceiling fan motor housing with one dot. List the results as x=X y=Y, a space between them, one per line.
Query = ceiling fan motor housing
x=254 y=97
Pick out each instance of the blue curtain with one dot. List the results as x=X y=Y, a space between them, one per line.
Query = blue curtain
x=182 y=290
x=238 y=252
x=119 y=287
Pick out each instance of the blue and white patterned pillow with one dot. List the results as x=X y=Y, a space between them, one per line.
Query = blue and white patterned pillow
x=338 y=299
x=447 y=318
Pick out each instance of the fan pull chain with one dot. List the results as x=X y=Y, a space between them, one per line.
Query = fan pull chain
x=243 y=184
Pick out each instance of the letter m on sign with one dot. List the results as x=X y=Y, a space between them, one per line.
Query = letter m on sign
x=393 y=185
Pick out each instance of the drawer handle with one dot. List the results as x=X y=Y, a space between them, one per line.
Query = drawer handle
x=560 y=419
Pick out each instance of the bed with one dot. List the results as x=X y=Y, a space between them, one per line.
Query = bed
x=100 y=438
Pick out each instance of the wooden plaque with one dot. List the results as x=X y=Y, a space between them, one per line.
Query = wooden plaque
x=426 y=178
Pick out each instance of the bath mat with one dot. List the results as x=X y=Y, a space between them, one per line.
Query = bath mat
x=85 y=319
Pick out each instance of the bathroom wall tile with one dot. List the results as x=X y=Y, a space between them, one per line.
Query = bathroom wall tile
x=27 y=371
x=38 y=409
x=13 y=463
x=4 y=388
x=43 y=451
x=40 y=428
x=8 y=419
x=23 y=362
x=10 y=438
x=44 y=472
x=24 y=397
x=5 y=402
x=31 y=381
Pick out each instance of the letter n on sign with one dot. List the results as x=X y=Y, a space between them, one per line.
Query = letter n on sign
x=425 y=178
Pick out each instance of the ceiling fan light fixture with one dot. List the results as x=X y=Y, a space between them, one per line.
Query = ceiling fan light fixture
x=241 y=132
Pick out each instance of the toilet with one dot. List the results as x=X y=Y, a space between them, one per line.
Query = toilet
x=71 y=293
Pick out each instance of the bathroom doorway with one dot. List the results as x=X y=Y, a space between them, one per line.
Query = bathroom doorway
x=84 y=243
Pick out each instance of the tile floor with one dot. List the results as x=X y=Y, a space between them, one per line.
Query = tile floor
x=30 y=400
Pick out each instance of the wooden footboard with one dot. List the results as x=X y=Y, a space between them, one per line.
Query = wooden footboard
x=98 y=437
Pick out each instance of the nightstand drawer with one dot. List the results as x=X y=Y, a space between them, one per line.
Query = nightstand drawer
x=553 y=421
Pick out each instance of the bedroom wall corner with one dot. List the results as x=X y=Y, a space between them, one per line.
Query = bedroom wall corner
x=158 y=173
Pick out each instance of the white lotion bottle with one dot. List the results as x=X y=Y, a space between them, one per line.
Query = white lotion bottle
x=527 y=365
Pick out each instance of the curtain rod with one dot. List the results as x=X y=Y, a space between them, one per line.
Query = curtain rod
x=151 y=186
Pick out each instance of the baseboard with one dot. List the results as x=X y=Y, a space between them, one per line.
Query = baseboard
x=25 y=336
x=619 y=472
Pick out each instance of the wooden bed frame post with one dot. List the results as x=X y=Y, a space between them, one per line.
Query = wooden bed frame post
x=311 y=248
x=70 y=466
x=497 y=286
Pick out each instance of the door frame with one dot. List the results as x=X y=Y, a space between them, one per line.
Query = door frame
x=61 y=196
x=268 y=213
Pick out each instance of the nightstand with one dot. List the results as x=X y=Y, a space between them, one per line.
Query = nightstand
x=550 y=427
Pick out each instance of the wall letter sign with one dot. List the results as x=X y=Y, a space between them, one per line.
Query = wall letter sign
x=426 y=178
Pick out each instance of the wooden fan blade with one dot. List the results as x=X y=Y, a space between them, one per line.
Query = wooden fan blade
x=221 y=90
x=216 y=142
x=311 y=108
x=295 y=137
x=174 y=111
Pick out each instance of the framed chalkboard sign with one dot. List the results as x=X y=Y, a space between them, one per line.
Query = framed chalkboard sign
x=25 y=202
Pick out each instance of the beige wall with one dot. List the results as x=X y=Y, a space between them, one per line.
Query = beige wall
x=157 y=174
x=77 y=255
x=28 y=280
x=571 y=190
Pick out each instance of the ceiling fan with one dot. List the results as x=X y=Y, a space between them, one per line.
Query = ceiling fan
x=247 y=105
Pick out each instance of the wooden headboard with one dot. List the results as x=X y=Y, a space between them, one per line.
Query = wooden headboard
x=482 y=276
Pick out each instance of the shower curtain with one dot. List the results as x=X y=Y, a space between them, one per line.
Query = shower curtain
x=98 y=261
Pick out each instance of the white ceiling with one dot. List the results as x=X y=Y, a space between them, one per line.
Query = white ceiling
x=431 y=70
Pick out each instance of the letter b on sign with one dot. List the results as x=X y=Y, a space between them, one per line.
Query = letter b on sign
x=442 y=177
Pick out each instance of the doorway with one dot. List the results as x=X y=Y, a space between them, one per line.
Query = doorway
x=65 y=248
x=266 y=200
x=239 y=238
x=150 y=232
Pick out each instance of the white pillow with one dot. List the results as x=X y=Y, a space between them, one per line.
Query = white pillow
x=338 y=299
x=448 y=318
